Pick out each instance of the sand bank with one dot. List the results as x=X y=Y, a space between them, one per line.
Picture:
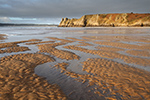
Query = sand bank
x=113 y=55
x=2 y=37
x=14 y=49
x=18 y=80
x=50 y=48
x=114 y=80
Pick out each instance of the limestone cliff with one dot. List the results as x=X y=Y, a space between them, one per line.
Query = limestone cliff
x=123 y=19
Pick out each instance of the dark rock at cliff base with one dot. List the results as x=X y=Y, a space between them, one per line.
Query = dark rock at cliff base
x=108 y=20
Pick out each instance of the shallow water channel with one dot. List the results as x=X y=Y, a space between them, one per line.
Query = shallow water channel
x=73 y=89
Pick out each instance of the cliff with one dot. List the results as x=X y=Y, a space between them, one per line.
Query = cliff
x=123 y=19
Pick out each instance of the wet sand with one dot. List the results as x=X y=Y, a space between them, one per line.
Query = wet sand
x=113 y=55
x=2 y=36
x=114 y=80
x=18 y=81
x=109 y=49
x=138 y=53
x=50 y=48
x=86 y=67
x=14 y=49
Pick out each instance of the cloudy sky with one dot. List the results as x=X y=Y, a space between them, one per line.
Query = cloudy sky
x=51 y=11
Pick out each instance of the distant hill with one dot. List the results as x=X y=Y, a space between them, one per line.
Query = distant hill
x=12 y=24
x=108 y=20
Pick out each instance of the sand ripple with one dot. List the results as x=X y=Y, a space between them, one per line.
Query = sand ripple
x=18 y=81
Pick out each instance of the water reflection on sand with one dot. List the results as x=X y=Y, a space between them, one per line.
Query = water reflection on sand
x=90 y=54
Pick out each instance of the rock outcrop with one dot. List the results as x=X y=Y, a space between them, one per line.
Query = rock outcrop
x=108 y=20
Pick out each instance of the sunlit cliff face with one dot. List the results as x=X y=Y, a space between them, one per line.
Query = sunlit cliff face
x=114 y=19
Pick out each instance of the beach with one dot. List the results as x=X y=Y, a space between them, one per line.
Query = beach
x=84 y=63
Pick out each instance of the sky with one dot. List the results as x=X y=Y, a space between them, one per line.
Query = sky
x=51 y=11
